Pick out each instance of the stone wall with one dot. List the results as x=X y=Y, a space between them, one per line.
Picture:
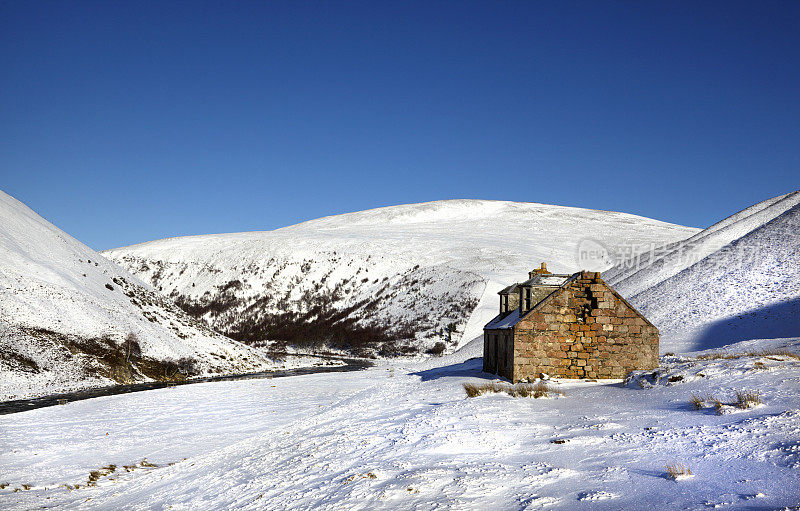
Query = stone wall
x=586 y=330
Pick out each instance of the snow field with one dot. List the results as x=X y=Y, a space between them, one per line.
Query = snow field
x=405 y=436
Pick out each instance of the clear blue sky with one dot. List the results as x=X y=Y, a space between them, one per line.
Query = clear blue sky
x=123 y=122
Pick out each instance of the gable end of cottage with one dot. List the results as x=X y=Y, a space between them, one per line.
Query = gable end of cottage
x=585 y=329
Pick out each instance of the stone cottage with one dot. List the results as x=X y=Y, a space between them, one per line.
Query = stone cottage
x=569 y=326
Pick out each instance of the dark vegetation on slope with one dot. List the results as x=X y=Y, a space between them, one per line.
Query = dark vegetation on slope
x=319 y=325
x=296 y=306
x=101 y=357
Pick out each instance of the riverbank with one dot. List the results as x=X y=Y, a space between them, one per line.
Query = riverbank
x=337 y=364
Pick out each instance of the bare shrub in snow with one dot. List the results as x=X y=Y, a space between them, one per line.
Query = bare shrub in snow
x=677 y=471
x=187 y=366
x=170 y=368
x=747 y=399
x=437 y=349
x=696 y=402
x=133 y=351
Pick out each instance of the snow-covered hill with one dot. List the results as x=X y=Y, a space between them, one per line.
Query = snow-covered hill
x=405 y=277
x=734 y=281
x=69 y=318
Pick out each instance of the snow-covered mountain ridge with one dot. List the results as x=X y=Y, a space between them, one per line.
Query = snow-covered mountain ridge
x=735 y=281
x=404 y=278
x=69 y=318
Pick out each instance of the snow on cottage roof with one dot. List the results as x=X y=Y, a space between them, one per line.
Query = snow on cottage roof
x=537 y=280
x=547 y=280
x=504 y=320
x=508 y=320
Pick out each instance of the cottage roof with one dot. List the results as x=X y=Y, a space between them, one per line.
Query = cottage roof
x=503 y=321
x=508 y=320
x=513 y=288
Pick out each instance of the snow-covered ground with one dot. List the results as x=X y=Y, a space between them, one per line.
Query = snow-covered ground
x=415 y=269
x=405 y=436
x=65 y=312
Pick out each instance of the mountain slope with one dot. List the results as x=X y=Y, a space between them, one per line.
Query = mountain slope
x=69 y=318
x=736 y=280
x=395 y=280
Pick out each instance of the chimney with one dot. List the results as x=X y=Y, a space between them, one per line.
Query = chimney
x=539 y=271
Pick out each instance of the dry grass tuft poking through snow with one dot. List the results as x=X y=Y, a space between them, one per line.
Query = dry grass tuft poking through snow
x=768 y=353
x=748 y=398
x=534 y=390
x=744 y=400
x=677 y=471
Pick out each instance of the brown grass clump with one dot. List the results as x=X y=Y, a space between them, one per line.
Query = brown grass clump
x=368 y=475
x=142 y=464
x=534 y=390
x=748 y=398
x=776 y=353
x=94 y=475
x=475 y=389
x=696 y=402
x=770 y=353
x=677 y=470
x=699 y=402
x=744 y=399
x=719 y=356
x=719 y=406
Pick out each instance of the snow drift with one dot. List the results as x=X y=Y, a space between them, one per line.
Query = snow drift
x=69 y=318
x=735 y=281
x=394 y=280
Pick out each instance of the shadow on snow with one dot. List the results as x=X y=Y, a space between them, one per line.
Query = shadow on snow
x=769 y=322
x=472 y=368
